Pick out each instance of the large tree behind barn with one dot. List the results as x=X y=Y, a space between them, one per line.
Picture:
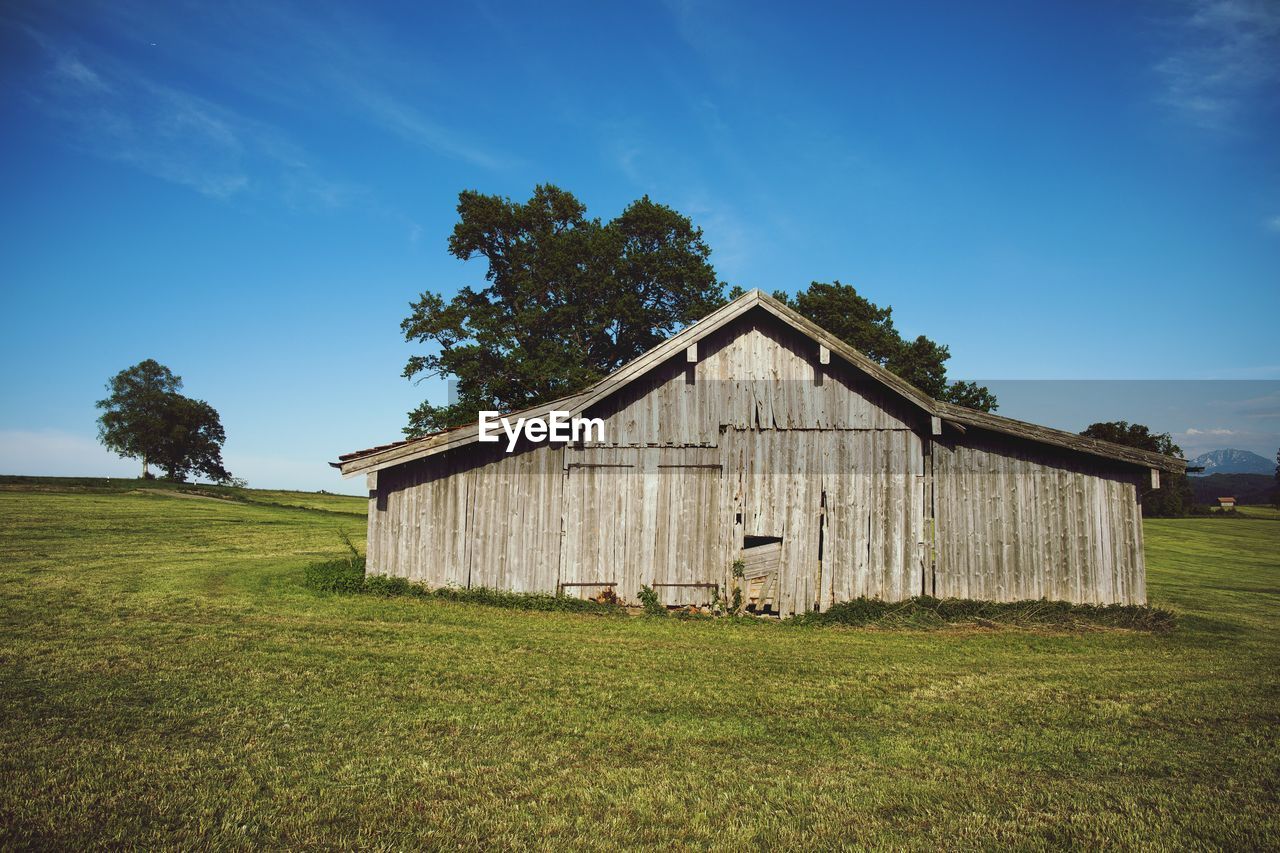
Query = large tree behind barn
x=755 y=435
x=568 y=300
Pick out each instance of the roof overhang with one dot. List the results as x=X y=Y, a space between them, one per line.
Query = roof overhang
x=1060 y=438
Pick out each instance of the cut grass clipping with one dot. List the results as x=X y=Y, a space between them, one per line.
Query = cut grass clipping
x=926 y=612
x=348 y=576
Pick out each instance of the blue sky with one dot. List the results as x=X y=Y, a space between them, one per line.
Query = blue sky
x=252 y=193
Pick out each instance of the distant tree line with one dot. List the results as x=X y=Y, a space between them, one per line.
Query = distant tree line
x=1178 y=495
x=1247 y=489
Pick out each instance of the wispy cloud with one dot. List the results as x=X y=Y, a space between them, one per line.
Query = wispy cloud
x=75 y=74
x=728 y=232
x=415 y=126
x=154 y=112
x=704 y=28
x=1262 y=407
x=1273 y=224
x=1216 y=431
x=111 y=110
x=1224 y=53
x=335 y=59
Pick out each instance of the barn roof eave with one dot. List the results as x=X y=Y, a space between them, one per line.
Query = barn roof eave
x=375 y=459
x=1069 y=440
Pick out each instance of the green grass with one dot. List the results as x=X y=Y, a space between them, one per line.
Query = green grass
x=322 y=501
x=166 y=679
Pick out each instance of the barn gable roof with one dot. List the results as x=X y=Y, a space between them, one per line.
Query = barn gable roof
x=957 y=417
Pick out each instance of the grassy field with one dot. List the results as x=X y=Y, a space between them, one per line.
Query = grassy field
x=166 y=680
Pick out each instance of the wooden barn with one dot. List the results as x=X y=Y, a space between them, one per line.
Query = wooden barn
x=756 y=449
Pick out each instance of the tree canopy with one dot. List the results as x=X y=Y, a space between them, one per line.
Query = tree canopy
x=868 y=328
x=145 y=417
x=568 y=300
x=1174 y=497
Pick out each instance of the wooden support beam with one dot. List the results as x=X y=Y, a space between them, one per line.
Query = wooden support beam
x=1155 y=478
x=371 y=480
x=691 y=353
x=824 y=354
x=935 y=424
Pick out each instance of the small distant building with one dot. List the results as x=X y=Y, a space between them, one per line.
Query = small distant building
x=1227 y=503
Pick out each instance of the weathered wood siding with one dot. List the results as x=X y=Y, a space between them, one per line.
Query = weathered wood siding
x=1016 y=521
x=402 y=542
x=514 y=523
x=751 y=435
x=481 y=518
x=651 y=516
x=756 y=374
x=848 y=505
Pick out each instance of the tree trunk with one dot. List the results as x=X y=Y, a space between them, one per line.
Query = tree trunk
x=144 y=466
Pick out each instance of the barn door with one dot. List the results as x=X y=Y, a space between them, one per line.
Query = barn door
x=599 y=503
x=774 y=482
x=643 y=516
x=682 y=531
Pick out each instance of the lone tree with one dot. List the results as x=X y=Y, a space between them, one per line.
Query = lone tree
x=1174 y=497
x=145 y=417
x=192 y=444
x=868 y=328
x=569 y=300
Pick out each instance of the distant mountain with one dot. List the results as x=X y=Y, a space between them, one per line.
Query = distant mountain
x=1245 y=488
x=1232 y=462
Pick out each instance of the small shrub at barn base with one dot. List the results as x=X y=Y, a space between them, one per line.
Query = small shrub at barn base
x=387 y=586
x=921 y=612
x=649 y=599
x=336 y=576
